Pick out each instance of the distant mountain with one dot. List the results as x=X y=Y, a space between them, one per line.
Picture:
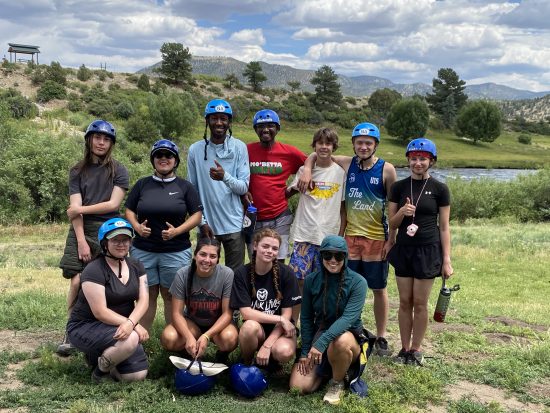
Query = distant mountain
x=279 y=75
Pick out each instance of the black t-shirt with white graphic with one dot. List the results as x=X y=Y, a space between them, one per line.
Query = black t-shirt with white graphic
x=265 y=299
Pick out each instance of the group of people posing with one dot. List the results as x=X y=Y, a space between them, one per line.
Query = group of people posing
x=340 y=235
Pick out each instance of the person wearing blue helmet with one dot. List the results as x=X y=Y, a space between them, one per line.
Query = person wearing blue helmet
x=218 y=168
x=163 y=208
x=369 y=239
x=97 y=186
x=271 y=164
x=419 y=209
x=332 y=304
x=104 y=323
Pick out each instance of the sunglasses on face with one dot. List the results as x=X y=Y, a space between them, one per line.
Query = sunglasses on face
x=328 y=255
x=167 y=155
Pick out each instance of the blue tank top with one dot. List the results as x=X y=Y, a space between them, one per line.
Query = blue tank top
x=366 y=201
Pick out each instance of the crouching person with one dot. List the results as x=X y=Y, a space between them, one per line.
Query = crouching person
x=332 y=303
x=200 y=305
x=104 y=323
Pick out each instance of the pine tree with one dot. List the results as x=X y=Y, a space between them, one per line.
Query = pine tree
x=327 y=89
x=447 y=84
x=175 y=67
x=253 y=72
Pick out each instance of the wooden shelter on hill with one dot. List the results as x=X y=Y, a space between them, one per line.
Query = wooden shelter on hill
x=23 y=49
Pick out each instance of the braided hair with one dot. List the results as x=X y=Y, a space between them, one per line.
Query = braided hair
x=192 y=271
x=266 y=232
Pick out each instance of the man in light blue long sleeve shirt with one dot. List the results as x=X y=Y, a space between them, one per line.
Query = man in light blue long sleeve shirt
x=218 y=167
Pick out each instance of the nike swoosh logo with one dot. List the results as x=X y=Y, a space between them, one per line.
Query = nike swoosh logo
x=172 y=193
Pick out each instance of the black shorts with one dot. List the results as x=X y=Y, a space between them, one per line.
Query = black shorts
x=417 y=261
x=93 y=337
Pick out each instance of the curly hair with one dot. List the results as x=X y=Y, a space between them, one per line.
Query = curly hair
x=258 y=236
x=192 y=271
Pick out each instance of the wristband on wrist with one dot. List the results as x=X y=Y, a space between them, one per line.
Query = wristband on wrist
x=206 y=336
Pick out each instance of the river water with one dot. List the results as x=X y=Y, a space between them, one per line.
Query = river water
x=470 y=173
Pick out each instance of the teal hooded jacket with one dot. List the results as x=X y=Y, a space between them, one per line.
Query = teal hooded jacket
x=333 y=323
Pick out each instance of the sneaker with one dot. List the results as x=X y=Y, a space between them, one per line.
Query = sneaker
x=99 y=376
x=334 y=392
x=402 y=357
x=381 y=347
x=415 y=358
x=65 y=348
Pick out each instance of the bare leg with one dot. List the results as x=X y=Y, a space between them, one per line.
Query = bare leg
x=381 y=310
x=305 y=384
x=421 y=293
x=405 y=315
x=284 y=349
x=171 y=340
x=149 y=316
x=227 y=339
x=251 y=335
x=341 y=352
x=167 y=300
x=74 y=288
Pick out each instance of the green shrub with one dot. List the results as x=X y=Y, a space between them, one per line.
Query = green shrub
x=215 y=90
x=101 y=75
x=56 y=73
x=34 y=176
x=19 y=106
x=525 y=139
x=84 y=73
x=51 y=90
x=132 y=78
x=124 y=110
x=38 y=76
x=143 y=83
x=113 y=86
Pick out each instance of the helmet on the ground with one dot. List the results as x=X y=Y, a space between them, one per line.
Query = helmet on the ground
x=218 y=106
x=422 y=145
x=113 y=227
x=101 y=126
x=366 y=129
x=248 y=381
x=266 y=116
x=192 y=384
x=165 y=145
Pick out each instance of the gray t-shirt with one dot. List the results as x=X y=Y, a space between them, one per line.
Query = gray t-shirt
x=95 y=186
x=204 y=306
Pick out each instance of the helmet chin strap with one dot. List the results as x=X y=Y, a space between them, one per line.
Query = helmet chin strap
x=109 y=255
x=366 y=159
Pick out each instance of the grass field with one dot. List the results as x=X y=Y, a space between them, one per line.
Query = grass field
x=492 y=354
x=453 y=151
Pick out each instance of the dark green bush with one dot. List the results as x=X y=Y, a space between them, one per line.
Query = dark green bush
x=101 y=75
x=124 y=110
x=51 y=90
x=19 y=106
x=84 y=73
x=525 y=139
x=143 y=83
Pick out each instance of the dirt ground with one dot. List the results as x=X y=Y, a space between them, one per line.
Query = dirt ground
x=23 y=341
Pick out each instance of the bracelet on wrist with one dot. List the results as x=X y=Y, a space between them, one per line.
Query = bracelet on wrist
x=133 y=324
x=267 y=347
x=206 y=336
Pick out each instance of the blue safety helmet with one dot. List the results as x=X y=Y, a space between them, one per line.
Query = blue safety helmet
x=218 y=106
x=166 y=145
x=366 y=129
x=266 y=116
x=113 y=227
x=248 y=381
x=101 y=126
x=192 y=384
x=422 y=144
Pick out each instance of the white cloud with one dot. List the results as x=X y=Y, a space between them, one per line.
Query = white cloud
x=333 y=50
x=321 y=33
x=529 y=14
x=251 y=36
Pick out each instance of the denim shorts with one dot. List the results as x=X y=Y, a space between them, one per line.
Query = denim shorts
x=161 y=267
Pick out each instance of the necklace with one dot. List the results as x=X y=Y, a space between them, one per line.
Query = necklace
x=419 y=195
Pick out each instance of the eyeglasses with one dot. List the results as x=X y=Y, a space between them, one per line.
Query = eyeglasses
x=125 y=241
x=162 y=154
x=338 y=256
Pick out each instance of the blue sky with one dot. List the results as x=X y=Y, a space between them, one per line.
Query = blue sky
x=406 y=41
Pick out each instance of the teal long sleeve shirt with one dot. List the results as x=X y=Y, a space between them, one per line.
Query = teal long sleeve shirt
x=350 y=307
